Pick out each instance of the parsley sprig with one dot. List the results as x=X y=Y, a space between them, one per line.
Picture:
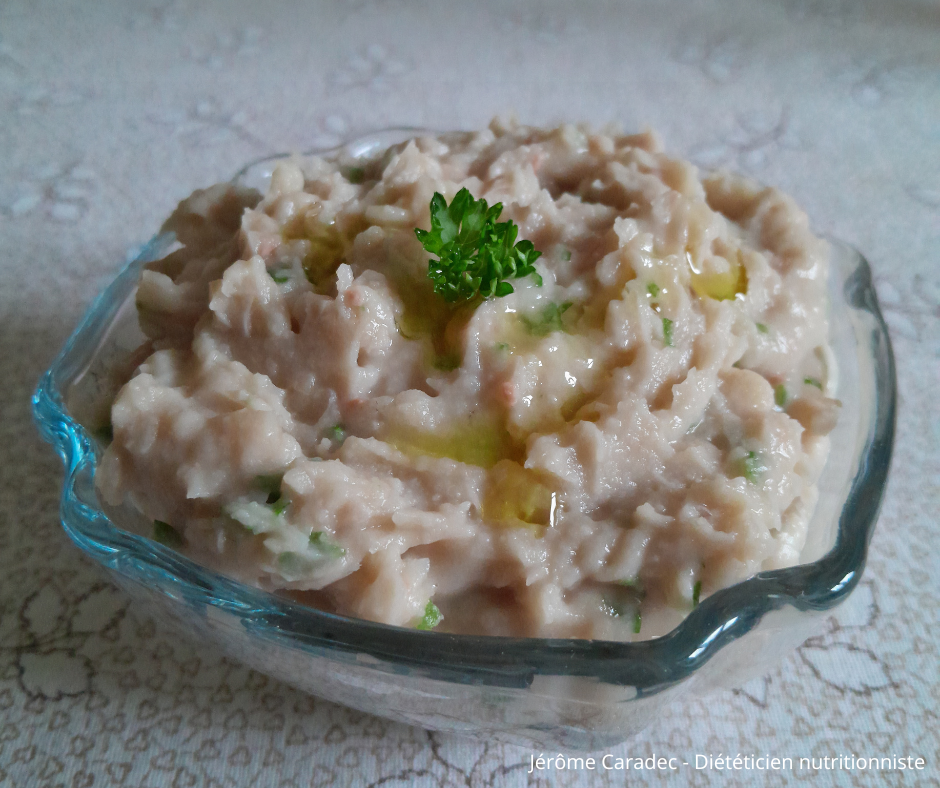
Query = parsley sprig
x=476 y=254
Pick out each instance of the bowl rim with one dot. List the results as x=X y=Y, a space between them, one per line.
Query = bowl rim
x=649 y=666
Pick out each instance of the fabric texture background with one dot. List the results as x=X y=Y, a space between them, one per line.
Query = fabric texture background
x=111 y=112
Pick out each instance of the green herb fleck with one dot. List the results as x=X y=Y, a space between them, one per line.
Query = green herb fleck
x=667 y=331
x=780 y=395
x=501 y=347
x=564 y=253
x=696 y=592
x=762 y=327
x=813 y=382
x=280 y=505
x=280 y=276
x=548 y=319
x=637 y=622
x=337 y=434
x=752 y=467
x=325 y=548
x=355 y=175
x=476 y=254
x=432 y=617
x=653 y=289
x=166 y=534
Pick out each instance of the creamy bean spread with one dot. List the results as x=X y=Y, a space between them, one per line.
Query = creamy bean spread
x=638 y=424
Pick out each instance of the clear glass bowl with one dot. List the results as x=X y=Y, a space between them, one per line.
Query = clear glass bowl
x=543 y=693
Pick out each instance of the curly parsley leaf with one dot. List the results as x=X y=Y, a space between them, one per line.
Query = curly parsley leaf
x=476 y=254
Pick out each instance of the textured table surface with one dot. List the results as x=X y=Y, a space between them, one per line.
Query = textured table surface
x=111 y=112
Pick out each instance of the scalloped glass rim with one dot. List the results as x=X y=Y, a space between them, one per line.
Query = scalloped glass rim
x=649 y=666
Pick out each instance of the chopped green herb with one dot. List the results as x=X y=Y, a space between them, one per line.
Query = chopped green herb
x=325 y=548
x=780 y=395
x=337 y=434
x=280 y=505
x=763 y=328
x=355 y=174
x=448 y=362
x=653 y=289
x=166 y=534
x=667 y=331
x=280 y=276
x=696 y=592
x=476 y=254
x=637 y=622
x=752 y=467
x=813 y=382
x=548 y=320
x=564 y=253
x=501 y=346
x=432 y=617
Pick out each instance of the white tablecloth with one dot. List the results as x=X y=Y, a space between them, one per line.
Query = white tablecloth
x=111 y=112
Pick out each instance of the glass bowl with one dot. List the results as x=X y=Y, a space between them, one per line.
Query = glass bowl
x=542 y=693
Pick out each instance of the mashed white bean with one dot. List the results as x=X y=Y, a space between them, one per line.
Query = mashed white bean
x=585 y=458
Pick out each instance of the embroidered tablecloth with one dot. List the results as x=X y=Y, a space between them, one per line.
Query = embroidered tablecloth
x=111 y=112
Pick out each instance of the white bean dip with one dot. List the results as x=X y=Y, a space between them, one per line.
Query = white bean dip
x=586 y=458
